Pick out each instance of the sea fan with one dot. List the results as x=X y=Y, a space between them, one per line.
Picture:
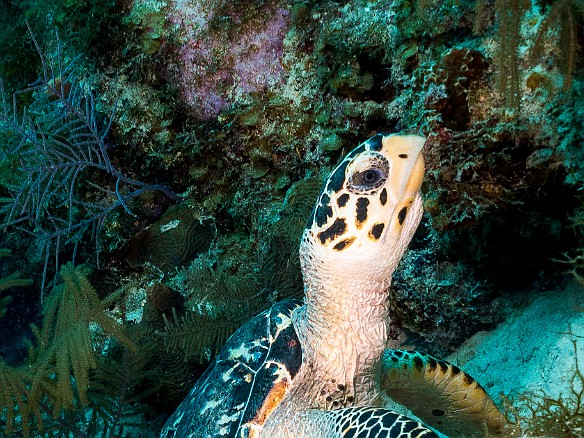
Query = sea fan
x=60 y=144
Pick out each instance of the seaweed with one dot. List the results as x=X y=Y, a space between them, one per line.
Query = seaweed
x=52 y=389
x=562 y=15
x=61 y=144
x=547 y=416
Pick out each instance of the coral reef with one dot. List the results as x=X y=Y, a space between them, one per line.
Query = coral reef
x=61 y=145
x=240 y=108
x=226 y=50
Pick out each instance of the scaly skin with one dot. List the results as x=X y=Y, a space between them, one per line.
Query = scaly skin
x=343 y=324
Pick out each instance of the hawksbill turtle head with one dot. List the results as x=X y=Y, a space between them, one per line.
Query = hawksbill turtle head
x=367 y=211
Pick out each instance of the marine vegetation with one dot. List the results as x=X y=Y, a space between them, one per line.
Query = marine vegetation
x=67 y=184
x=535 y=413
x=67 y=384
x=177 y=148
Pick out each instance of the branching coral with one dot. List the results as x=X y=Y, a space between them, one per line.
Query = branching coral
x=55 y=382
x=562 y=14
x=61 y=145
x=64 y=343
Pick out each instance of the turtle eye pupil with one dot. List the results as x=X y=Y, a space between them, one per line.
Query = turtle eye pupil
x=370 y=176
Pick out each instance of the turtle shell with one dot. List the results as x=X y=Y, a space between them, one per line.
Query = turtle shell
x=248 y=378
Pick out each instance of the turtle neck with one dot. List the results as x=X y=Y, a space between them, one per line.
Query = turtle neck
x=343 y=332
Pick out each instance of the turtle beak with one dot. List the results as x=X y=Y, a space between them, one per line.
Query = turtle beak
x=407 y=164
x=407 y=173
x=416 y=177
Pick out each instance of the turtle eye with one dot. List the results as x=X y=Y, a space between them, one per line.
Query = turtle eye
x=368 y=179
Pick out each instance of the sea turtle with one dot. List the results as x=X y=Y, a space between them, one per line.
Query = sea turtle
x=320 y=368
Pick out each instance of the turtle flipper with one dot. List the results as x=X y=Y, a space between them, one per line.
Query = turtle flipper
x=441 y=394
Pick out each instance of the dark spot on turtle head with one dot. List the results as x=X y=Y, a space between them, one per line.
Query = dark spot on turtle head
x=376 y=231
x=323 y=210
x=338 y=227
x=341 y=387
x=344 y=244
x=322 y=391
x=333 y=380
x=375 y=142
x=362 y=204
x=383 y=196
x=401 y=216
x=468 y=379
x=418 y=363
x=322 y=213
x=342 y=200
x=337 y=179
x=403 y=155
x=335 y=404
x=438 y=412
x=350 y=399
x=329 y=399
